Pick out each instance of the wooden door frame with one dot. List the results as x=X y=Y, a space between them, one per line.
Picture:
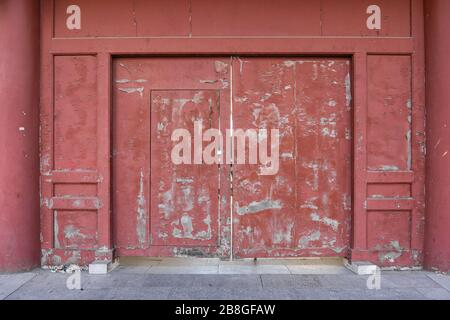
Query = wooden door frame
x=104 y=49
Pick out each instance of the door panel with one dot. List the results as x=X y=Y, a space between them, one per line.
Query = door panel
x=163 y=209
x=184 y=197
x=305 y=209
x=167 y=209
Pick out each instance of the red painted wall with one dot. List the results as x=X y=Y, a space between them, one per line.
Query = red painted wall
x=19 y=122
x=437 y=246
x=19 y=96
x=387 y=90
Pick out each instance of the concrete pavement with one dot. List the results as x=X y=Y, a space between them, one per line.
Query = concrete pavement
x=223 y=280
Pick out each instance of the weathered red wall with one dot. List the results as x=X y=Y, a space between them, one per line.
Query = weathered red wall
x=19 y=122
x=437 y=244
x=19 y=95
x=387 y=80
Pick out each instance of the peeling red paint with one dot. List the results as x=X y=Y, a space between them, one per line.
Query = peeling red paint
x=351 y=116
x=304 y=210
x=437 y=244
x=181 y=208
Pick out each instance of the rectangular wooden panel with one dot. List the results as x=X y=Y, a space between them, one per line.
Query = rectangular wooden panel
x=77 y=190
x=191 y=18
x=304 y=209
x=389 y=231
x=387 y=204
x=255 y=18
x=75 y=229
x=124 y=18
x=390 y=177
x=394 y=190
x=389 y=113
x=75 y=112
x=162 y=207
x=184 y=208
x=120 y=28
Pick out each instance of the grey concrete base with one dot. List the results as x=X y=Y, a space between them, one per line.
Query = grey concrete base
x=128 y=283
x=9 y=283
x=243 y=266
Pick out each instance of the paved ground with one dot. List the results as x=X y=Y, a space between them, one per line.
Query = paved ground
x=213 y=279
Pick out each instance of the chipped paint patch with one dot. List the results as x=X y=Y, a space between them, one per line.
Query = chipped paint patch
x=289 y=63
x=187 y=231
x=259 y=206
x=309 y=204
x=396 y=245
x=139 y=90
x=409 y=146
x=141 y=223
x=389 y=168
x=207 y=81
x=74 y=258
x=348 y=91
x=287 y=155
x=334 y=224
x=167 y=204
x=390 y=256
x=186 y=223
x=281 y=236
x=220 y=67
x=56 y=230
x=304 y=241
x=198 y=97
x=70 y=232
x=123 y=81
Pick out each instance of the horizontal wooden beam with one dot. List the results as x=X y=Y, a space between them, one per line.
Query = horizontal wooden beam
x=390 y=177
x=73 y=177
x=390 y=204
x=238 y=45
x=74 y=203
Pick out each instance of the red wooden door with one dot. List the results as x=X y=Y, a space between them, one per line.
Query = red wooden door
x=165 y=208
x=83 y=218
x=304 y=209
x=160 y=207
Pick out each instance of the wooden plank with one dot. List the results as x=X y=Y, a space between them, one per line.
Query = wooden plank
x=226 y=45
x=75 y=203
x=74 y=177
x=104 y=151
x=418 y=141
x=360 y=151
x=390 y=204
x=390 y=177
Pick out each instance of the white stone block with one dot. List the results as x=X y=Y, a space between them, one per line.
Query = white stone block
x=362 y=267
x=100 y=267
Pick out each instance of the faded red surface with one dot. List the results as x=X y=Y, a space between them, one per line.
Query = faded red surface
x=19 y=135
x=437 y=245
x=347 y=18
x=104 y=152
x=75 y=113
x=305 y=209
x=389 y=113
x=142 y=18
x=161 y=208
x=166 y=209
